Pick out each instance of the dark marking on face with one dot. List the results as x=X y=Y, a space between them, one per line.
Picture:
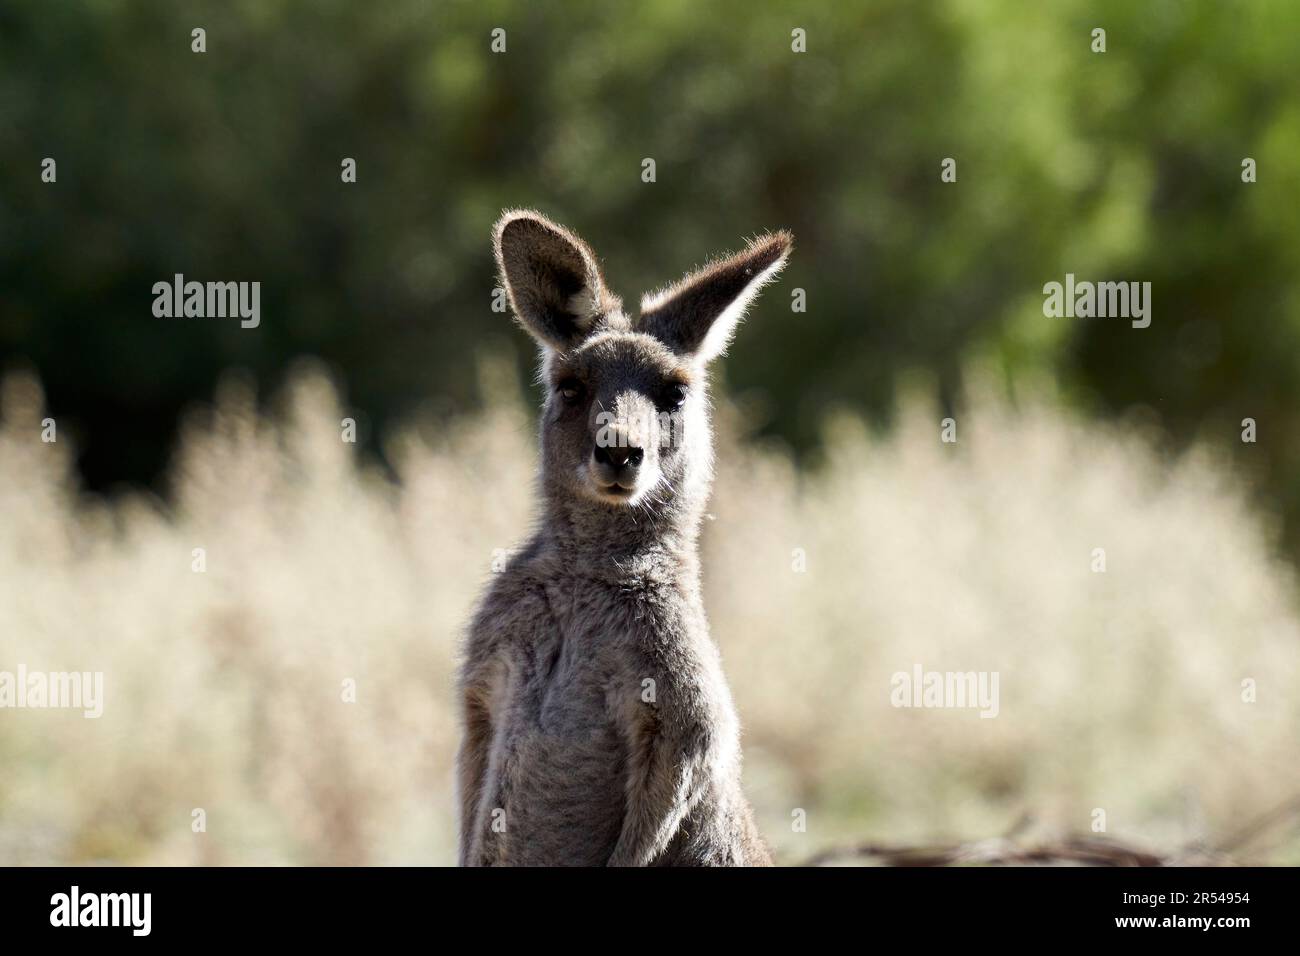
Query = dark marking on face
x=616 y=363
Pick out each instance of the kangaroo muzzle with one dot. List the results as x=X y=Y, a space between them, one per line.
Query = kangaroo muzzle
x=616 y=458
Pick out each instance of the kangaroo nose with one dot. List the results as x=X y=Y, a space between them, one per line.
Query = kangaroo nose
x=619 y=456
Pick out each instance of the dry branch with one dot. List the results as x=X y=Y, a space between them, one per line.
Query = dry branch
x=1069 y=850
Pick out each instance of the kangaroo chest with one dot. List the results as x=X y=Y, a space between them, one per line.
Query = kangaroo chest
x=581 y=660
x=558 y=770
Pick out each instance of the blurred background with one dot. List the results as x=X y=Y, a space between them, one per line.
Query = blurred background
x=328 y=561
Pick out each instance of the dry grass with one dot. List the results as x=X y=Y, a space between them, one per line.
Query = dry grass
x=1119 y=691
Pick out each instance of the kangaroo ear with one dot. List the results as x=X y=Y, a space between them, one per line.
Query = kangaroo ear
x=552 y=278
x=697 y=315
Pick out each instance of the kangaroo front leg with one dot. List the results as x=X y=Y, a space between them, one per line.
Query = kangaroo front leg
x=471 y=768
x=666 y=776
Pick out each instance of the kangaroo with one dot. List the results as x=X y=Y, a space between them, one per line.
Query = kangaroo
x=598 y=727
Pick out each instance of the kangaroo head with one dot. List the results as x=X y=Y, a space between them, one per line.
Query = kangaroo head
x=626 y=416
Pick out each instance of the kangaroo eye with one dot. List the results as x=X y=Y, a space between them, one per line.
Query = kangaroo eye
x=570 y=390
x=674 y=396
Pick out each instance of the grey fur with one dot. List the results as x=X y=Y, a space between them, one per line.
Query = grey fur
x=569 y=755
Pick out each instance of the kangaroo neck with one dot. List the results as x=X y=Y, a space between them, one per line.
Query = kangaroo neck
x=590 y=538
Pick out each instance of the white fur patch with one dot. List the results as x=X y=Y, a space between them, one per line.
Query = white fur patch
x=720 y=332
x=719 y=335
x=585 y=305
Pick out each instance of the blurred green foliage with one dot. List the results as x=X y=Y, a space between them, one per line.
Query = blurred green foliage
x=225 y=166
